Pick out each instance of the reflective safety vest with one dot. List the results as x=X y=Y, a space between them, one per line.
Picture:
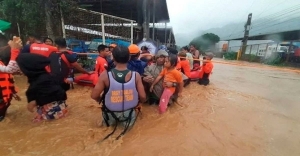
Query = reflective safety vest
x=121 y=96
x=42 y=49
x=7 y=88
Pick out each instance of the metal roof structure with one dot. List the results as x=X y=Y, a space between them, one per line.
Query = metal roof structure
x=133 y=9
x=164 y=35
x=130 y=9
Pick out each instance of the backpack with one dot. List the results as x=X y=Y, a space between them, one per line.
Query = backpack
x=59 y=66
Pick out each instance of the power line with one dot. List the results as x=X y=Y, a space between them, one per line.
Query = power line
x=270 y=23
x=282 y=22
x=279 y=23
x=279 y=12
x=281 y=15
x=267 y=8
x=275 y=24
x=241 y=17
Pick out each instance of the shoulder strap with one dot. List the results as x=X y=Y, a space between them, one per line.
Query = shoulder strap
x=63 y=57
x=133 y=75
x=106 y=89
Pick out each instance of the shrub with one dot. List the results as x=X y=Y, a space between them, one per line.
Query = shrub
x=230 y=55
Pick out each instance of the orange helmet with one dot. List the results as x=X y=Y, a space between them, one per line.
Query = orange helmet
x=134 y=49
x=112 y=45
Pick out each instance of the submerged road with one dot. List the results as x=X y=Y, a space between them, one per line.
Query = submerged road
x=245 y=111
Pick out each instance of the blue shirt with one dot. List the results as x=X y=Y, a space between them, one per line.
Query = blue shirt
x=26 y=48
x=137 y=65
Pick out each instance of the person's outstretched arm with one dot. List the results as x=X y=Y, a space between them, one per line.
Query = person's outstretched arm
x=12 y=66
x=77 y=66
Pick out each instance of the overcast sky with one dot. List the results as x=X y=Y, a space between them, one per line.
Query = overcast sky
x=188 y=16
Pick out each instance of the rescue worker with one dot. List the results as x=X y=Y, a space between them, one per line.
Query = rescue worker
x=44 y=94
x=36 y=46
x=185 y=67
x=61 y=63
x=101 y=61
x=146 y=55
x=110 y=62
x=134 y=63
x=189 y=56
x=206 y=69
x=123 y=90
x=7 y=67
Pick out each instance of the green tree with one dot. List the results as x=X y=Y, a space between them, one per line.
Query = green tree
x=36 y=16
x=205 y=41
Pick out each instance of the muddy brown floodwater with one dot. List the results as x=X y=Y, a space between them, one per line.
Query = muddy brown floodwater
x=245 y=111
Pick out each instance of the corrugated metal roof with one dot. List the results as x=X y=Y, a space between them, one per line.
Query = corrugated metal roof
x=130 y=9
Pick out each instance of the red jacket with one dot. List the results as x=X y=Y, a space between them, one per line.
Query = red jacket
x=42 y=49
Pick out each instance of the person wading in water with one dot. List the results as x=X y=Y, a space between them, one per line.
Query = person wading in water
x=123 y=90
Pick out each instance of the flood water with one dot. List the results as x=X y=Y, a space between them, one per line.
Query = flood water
x=245 y=111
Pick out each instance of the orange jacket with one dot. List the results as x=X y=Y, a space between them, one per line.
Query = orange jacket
x=185 y=67
x=7 y=88
x=206 y=70
x=178 y=66
x=42 y=49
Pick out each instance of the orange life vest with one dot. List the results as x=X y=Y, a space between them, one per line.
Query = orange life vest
x=7 y=88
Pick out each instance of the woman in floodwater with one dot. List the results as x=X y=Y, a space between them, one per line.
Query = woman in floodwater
x=8 y=55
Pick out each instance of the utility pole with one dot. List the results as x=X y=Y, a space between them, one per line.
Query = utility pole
x=145 y=22
x=153 y=20
x=246 y=34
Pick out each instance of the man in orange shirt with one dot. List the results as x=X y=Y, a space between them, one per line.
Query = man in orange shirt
x=185 y=67
x=206 y=70
x=101 y=62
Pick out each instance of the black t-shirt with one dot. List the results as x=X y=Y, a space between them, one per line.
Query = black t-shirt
x=60 y=67
x=71 y=58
